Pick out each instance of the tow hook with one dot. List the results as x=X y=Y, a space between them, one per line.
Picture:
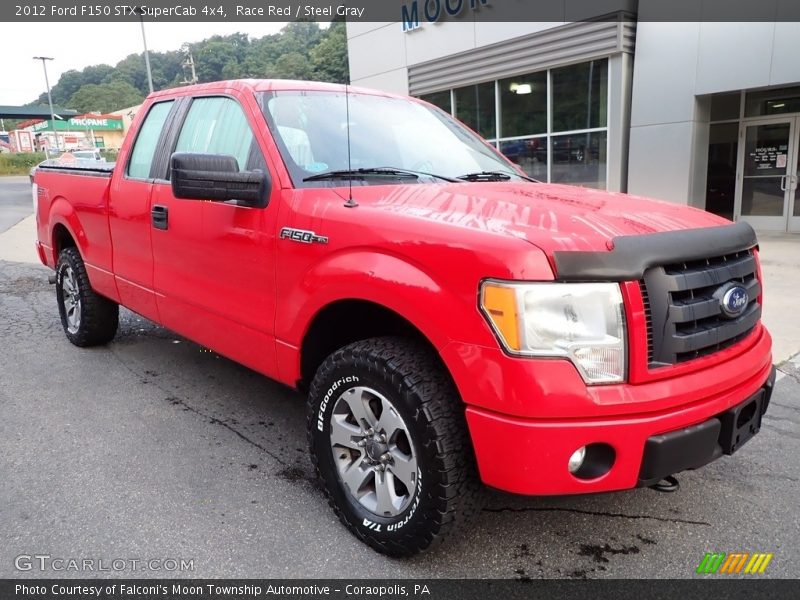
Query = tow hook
x=51 y=279
x=667 y=485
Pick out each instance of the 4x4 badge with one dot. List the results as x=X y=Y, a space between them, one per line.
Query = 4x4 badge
x=300 y=235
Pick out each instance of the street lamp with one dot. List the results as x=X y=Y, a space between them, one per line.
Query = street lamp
x=44 y=60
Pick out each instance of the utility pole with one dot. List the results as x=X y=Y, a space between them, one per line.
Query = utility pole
x=188 y=62
x=44 y=60
x=146 y=55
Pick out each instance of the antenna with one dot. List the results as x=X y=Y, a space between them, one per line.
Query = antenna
x=350 y=202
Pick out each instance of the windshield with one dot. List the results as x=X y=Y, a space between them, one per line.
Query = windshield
x=310 y=129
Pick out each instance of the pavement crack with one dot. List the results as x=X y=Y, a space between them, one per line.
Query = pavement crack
x=177 y=401
x=596 y=514
x=786 y=406
x=216 y=421
x=789 y=374
x=783 y=432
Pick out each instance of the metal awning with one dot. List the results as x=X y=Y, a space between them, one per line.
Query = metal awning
x=34 y=112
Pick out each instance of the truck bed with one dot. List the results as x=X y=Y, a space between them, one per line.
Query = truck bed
x=91 y=168
x=73 y=197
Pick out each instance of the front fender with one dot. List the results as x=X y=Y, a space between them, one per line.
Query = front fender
x=394 y=282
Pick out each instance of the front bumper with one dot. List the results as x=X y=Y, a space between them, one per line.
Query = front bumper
x=697 y=445
x=530 y=456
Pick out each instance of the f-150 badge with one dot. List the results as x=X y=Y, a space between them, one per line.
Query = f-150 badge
x=300 y=235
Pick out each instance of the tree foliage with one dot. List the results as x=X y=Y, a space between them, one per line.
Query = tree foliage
x=302 y=50
x=105 y=97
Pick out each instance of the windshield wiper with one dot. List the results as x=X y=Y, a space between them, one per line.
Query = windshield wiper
x=493 y=176
x=374 y=172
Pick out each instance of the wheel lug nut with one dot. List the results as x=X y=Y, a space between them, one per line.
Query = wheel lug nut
x=362 y=443
x=385 y=457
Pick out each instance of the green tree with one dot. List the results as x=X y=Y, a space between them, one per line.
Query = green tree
x=292 y=65
x=105 y=97
x=301 y=50
x=329 y=57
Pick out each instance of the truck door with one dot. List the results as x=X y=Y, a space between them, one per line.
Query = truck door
x=129 y=213
x=214 y=261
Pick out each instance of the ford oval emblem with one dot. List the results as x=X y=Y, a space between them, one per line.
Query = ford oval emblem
x=734 y=301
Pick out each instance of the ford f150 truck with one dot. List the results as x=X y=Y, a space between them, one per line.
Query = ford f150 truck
x=454 y=323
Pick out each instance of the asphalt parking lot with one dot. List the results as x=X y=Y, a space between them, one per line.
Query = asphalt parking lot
x=152 y=447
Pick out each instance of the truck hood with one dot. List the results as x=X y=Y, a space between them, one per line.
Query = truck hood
x=552 y=217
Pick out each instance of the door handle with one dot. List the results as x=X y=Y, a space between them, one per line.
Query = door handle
x=159 y=216
x=783 y=183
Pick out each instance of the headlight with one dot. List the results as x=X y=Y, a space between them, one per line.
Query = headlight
x=581 y=321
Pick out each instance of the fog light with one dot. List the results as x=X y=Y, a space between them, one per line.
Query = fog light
x=576 y=460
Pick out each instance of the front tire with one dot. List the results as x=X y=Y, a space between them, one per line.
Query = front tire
x=389 y=441
x=88 y=319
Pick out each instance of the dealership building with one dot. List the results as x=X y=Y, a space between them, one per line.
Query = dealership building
x=700 y=113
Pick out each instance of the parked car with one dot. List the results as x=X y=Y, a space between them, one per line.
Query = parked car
x=452 y=323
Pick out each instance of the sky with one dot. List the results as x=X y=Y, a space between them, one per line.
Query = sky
x=78 y=45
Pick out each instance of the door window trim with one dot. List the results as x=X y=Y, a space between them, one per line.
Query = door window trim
x=169 y=148
x=159 y=144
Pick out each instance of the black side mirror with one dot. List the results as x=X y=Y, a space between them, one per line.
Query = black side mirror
x=216 y=177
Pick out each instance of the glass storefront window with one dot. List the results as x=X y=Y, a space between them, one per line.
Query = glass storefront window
x=725 y=107
x=475 y=107
x=579 y=159
x=723 y=147
x=440 y=99
x=530 y=154
x=523 y=105
x=580 y=96
x=577 y=98
x=772 y=102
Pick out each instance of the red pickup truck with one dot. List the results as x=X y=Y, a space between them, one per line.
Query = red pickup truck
x=453 y=322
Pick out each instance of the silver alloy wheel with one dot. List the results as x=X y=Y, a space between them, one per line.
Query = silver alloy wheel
x=72 y=299
x=373 y=452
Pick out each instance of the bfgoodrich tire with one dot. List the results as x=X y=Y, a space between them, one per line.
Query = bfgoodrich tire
x=389 y=441
x=88 y=318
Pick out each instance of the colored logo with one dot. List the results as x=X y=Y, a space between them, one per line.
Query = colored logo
x=734 y=301
x=734 y=563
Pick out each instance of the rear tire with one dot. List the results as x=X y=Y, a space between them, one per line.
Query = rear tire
x=389 y=441
x=88 y=319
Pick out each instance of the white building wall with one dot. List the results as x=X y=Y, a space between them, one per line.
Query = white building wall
x=675 y=65
x=380 y=53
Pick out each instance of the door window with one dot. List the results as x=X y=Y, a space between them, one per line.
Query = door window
x=217 y=126
x=144 y=148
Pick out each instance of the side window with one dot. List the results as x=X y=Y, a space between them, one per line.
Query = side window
x=144 y=148
x=218 y=126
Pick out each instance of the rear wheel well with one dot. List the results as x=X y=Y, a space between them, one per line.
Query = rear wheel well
x=345 y=322
x=62 y=239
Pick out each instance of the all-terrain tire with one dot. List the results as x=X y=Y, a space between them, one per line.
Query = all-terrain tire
x=412 y=379
x=97 y=317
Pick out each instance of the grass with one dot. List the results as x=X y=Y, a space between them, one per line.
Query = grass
x=19 y=163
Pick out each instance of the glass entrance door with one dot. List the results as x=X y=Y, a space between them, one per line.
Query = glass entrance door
x=767 y=179
x=794 y=184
